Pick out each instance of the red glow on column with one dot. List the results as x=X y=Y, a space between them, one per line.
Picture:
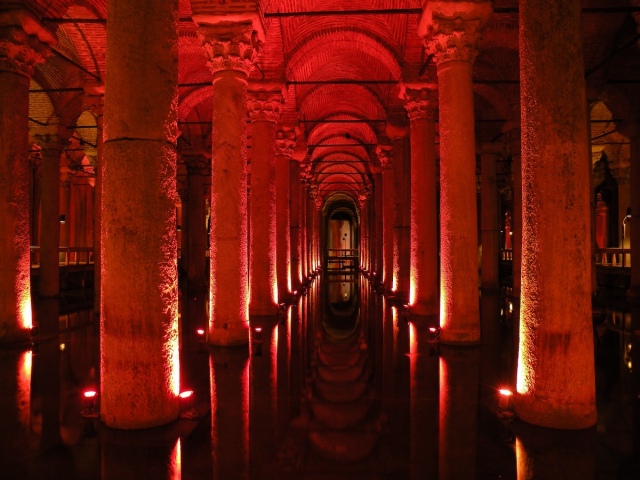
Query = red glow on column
x=413 y=339
x=24 y=309
x=23 y=396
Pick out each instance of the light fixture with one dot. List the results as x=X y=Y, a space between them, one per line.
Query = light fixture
x=63 y=218
x=178 y=228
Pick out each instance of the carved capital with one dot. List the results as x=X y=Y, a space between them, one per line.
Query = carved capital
x=451 y=29
x=264 y=105
x=420 y=103
x=93 y=99
x=230 y=46
x=19 y=51
x=197 y=164
x=385 y=155
x=285 y=142
x=51 y=145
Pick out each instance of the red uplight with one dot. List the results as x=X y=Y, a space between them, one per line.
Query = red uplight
x=90 y=394
x=506 y=393
x=186 y=394
x=433 y=329
x=258 y=329
x=200 y=331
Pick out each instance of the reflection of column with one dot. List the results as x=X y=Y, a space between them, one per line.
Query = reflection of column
x=264 y=110
x=294 y=185
x=489 y=218
x=555 y=455
x=19 y=52
x=388 y=195
x=555 y=259
x=139 y=318
x=285 y=141
x=15 y=404
x=420 y=105
x=230 y=50
x=94 y=101
x=458 y=413
x=230 y=412
x=49 y=278
x=451 y=34
x=196 y=223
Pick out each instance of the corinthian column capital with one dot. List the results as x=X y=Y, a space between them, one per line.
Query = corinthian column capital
x=19 y=51
x=420 y=101
x=385 y=155
x=285 y=142
x=451 y=29
x=264 y=105
x=230 y=46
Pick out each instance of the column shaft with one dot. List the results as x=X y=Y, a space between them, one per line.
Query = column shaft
x=555 y=315
x=402 y=218
x=196 y=230
x=139 y=322
x=283 y=226
x=294 y=184
x=489 y=223
x=388 y=196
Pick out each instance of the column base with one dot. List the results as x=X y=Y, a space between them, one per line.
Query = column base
x=230 y=336
x=562 y=415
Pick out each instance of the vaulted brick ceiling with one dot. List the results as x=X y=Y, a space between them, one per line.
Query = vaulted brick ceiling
x=343 y=71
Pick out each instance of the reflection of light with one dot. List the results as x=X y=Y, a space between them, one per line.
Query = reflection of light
x=629 y=364
x=176 y=461
x=62 y=347
x=413 y=339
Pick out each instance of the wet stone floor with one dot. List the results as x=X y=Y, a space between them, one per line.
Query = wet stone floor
x=342 y=385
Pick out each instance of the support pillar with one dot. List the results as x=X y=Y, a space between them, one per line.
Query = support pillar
x=230 y=49
x=140 y=379
x=388 y=196
x=264 y=107
x=424 y=293
x=196 y=259
x=294 y=186
x=489 y=219
x=451 y=31
x=379 y=214
x=20 y=50
x=402 y=211
x=555 y=312
x=285 y=142
x=49 y=278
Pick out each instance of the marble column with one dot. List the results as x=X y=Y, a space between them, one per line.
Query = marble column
x=230 y=50
x=94 y=101
x=556 y=377
x=294 y=186
x=489 y=218
x=139 y=362
x=49 y=279
x=21 y=48
x=388 y=197
x=196 y=228
x=285 y=142
x=424 y=293
x=304 y=199
x=264 y=105
x=379 y=214
x=451 y=31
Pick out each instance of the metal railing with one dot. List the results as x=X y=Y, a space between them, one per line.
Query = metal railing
x=613 y=257
x=66 y=255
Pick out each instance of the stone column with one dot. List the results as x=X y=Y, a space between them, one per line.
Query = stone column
x=632 y=130
x=197 y=171
x=424 y=292
x=140 y=379
x=264 y=107
x=451 y=31
x=49 y=279
x=490 y=218
x=556 y=378
x=294 y=186
x=388 y=198
x=379 y=214
x=230 y=51
x=65 y=204
x=304 y=199
x=20 y=50
x=94 y=101
x=285 y=141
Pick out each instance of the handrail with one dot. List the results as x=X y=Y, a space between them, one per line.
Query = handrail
x=342 y=252
x=613 y=257
x=66 y=256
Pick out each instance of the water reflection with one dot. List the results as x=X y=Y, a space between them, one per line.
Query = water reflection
x=342 y=385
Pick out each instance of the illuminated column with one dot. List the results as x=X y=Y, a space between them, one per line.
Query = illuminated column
x=139 y=319
x=197 y=172
x=20 y=50
x=294 y=186
x=364 y=233
x=65 y=203
x=632 y=130
x=379 y=210
x=285 y=141
x=264 y=107
x=451 y=31
x=94 y=101
x=489 y=218
x=424 y=293
x=402 y=211
x=230 y=50
x=555 y=308
x=388 y=196
x=304 y=199
x=49 y=279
